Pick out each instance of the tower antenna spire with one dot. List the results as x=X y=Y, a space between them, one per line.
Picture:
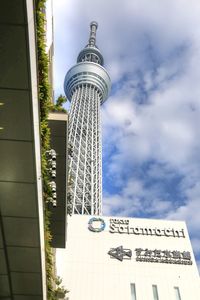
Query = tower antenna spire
x=93 y=29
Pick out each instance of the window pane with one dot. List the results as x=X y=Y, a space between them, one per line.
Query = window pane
x=177 y=293
x=155 y=292
x=133 y=291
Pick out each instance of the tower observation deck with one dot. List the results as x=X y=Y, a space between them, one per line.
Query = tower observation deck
x=86 y=85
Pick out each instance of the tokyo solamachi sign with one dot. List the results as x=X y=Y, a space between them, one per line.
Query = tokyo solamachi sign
x=123 y=226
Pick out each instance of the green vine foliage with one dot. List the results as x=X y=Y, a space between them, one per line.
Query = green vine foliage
x=58 y=106
x=45 y=108
x=60 y=291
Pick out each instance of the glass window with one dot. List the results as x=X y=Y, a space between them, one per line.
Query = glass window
x=177 y=293
x=155 y=292
x=133 y=291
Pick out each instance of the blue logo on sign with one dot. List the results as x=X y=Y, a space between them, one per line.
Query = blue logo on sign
x=93 y=227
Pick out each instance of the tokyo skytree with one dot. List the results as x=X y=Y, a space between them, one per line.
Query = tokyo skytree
x=87 y=85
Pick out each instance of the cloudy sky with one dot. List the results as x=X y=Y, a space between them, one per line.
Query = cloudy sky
x=151 y=121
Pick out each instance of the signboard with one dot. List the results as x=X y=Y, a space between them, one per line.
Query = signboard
x=163 y=256
x=152 y=256
x=122 y=226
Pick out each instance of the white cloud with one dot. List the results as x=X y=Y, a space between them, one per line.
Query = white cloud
x=189 y=211
x=135 y=198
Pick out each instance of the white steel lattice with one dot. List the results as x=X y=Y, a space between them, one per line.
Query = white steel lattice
x=85 y=165
x=86 y=85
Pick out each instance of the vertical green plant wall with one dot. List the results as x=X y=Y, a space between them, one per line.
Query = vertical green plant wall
x=44 y=99
x=53 y=284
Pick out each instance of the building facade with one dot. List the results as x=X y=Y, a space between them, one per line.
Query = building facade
x=109 y=258
x=22 y=237
x=86 y=85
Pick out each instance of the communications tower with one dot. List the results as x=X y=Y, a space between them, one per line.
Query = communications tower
x=86 y=85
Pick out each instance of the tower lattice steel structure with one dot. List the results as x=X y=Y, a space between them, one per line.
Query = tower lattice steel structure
x=87 y=86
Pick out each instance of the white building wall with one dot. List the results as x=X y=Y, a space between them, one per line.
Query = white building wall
x=90 y=273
